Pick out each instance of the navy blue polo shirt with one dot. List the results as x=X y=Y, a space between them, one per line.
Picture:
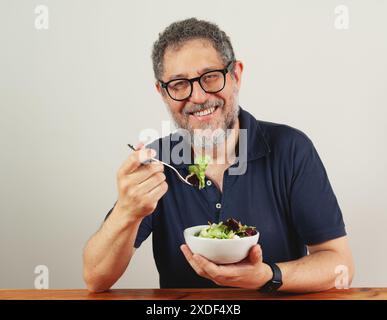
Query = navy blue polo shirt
x=284 y=192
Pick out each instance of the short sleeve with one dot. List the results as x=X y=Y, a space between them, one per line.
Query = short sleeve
x=314 y=208
x=144 y=229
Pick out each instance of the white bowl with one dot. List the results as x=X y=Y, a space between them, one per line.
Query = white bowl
x=219 y=251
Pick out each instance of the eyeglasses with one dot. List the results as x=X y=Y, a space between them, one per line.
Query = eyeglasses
x=211 y=82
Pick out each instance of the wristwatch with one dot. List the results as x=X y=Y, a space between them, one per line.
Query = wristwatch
x=275 y=282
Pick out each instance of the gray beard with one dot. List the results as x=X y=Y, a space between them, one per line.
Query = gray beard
x=208 y=137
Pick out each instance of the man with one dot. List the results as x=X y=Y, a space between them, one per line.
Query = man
x=284 y=191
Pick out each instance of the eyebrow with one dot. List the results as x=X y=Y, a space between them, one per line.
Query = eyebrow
x=184 y=75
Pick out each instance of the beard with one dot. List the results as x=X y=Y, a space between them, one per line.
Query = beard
x=213 y=133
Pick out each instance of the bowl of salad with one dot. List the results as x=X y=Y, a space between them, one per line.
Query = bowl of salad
x=224 y=242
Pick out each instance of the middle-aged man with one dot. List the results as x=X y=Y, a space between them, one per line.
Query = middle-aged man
x=284 y=190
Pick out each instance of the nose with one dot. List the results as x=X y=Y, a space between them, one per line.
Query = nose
x=198 y=95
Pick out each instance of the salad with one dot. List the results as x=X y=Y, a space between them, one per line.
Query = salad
x=230 y=229
x=198 y=170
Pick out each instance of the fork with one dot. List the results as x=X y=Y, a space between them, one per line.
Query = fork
x=165 y=164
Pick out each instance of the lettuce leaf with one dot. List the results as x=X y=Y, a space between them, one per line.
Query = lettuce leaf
x=230 y=229
x=199 y=169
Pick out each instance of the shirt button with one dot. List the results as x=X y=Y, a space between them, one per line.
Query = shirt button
x=218 y=206
x=209 y=182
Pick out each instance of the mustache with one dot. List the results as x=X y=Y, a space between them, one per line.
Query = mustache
x=197 y=107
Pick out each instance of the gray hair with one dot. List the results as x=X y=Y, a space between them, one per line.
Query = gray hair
x=176 y=34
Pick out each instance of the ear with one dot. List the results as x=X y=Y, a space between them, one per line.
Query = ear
x=237 y=72
x=160 y=90
x=158 y=87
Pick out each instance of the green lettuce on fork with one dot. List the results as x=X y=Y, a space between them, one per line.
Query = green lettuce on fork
x=230 y=229
x=198 y=170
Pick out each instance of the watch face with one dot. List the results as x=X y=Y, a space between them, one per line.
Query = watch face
x=274 y=285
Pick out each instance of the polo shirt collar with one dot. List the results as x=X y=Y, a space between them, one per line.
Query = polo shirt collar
x=257 y=144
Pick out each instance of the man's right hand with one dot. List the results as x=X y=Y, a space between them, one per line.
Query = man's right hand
x=140 y=186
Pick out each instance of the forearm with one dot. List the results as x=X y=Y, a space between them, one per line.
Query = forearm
x=313 y=273
x=108 y=253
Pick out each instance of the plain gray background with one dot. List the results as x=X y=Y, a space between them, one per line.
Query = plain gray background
x=72 y=96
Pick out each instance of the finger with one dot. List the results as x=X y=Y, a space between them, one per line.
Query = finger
x=156 y=193
x=141 y=148
x=221 y=275
x=144 y=156
x=186 y=251
x=255 y=254
x=140 y=145
x=189 y=256
x=209 y=267
x=197 y=269
x=135 y=160
x=152 y=182
x=145 y=172
x=217 y=272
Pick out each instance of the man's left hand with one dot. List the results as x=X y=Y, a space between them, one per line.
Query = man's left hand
x=250 y=273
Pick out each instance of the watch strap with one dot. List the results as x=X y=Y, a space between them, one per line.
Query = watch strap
x=276 y=281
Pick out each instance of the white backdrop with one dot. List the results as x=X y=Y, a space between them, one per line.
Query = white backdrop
x=73 y=95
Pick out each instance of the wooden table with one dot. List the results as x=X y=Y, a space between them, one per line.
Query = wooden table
x=191 y=294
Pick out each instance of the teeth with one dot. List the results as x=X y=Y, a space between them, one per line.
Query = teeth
x=204 y=112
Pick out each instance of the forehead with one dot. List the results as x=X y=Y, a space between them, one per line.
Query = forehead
x=190 y=59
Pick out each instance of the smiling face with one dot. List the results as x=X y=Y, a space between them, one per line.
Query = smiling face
x=214 y=112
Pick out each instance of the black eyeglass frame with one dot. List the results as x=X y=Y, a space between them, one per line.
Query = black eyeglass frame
x=224 y=71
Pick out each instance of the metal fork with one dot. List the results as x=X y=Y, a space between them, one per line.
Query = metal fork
x=165 y=164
